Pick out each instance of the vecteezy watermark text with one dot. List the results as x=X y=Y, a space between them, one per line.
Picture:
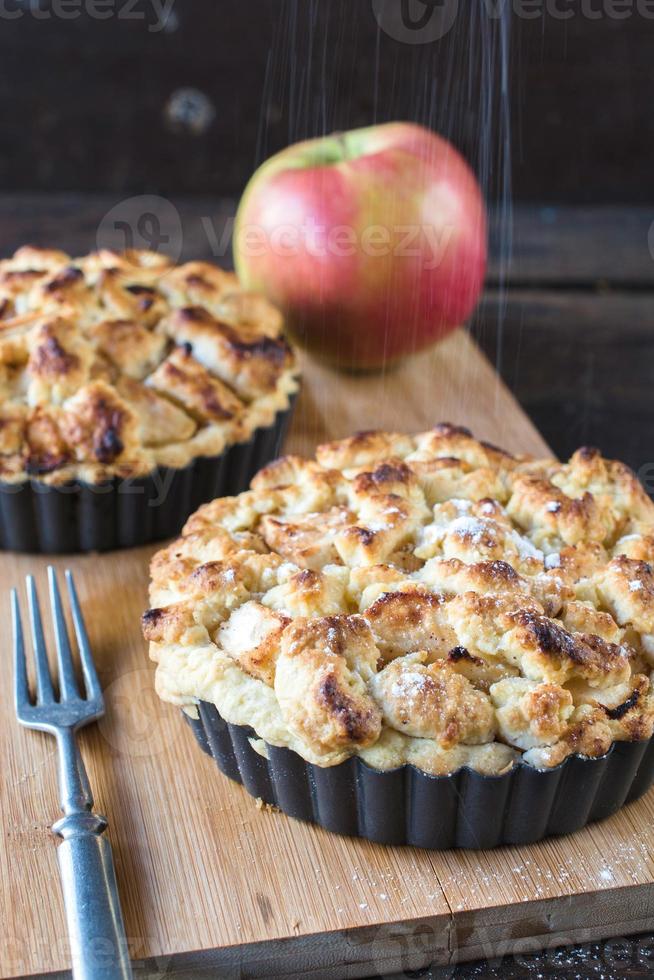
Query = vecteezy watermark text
x=426 y=21
x=422 y=241
x=566 y=9
x=155 y=14
x=145 y=221
x=154 y=223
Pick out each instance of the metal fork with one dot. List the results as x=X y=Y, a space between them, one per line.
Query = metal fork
x=94 y=918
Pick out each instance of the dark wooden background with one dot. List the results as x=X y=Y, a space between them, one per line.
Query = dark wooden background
x=85 y=103
x=96 y=110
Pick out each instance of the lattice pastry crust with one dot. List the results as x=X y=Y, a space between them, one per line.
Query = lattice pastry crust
x=427 y=599
x=113 y=364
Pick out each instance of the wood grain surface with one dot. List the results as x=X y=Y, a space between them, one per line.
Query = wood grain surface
x=210 y=882
x=554 y=247
x=275 y=71
x=580 y=362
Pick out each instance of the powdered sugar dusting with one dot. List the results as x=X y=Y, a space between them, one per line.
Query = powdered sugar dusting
x=410 y=684
x=525 y=548
x=471 y=527
x=332 y=640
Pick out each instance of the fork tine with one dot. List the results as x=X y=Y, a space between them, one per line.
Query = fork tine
x=43 y=679
x=21 y=687
x=91 y=680
x=67 y=680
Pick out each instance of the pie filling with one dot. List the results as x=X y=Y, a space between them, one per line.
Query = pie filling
x=424 y=599
x=116 y=363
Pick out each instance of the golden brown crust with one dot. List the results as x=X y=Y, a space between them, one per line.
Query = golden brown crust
x=193 y=388
x=627 y=590
x=249 y=359
x=320 y=682
x=251 y=636
x=161 y=422
x=434 y=701
x=100 y=427
x=403 y=622
x=68 y=324
x=45 y=450
x=306 y=539
x=130 y=346
x=59 y=362
x=13 y=420
x=538 y=505
x=529 y=713
x=365 y=603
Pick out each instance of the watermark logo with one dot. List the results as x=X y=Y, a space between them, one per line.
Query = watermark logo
x=134 y=724
x=426 y=21
x=416 y=21
x=156 y=15
x=646 y=477
x=154 y=223
x=403 y=954
x=144 y=222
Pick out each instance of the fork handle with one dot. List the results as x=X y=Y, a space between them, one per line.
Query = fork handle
x=95 y=928
x=88 y=878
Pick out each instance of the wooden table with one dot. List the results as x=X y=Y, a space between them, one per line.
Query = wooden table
x=207 y=877
x=210 y=883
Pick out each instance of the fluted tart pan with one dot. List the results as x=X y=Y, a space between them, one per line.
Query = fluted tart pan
x=78 y=517
x=407 y=806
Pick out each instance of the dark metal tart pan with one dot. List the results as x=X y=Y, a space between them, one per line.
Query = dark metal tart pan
x=77 y=516
x=407 y=806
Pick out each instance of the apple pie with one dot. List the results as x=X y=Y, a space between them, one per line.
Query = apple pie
x=424 y=599
x=131 y=391
x=114 y=364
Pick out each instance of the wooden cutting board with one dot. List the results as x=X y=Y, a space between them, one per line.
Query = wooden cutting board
x=207 y=880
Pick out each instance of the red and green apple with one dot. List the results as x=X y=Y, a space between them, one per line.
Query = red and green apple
x=371 y=242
